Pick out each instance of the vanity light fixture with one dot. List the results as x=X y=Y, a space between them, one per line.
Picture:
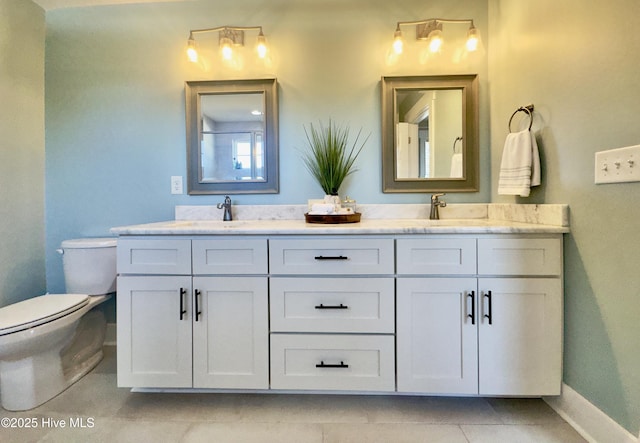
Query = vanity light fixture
x=229 y=37
x=431 y=31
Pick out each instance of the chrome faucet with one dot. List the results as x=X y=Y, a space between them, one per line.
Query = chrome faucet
x=435 y=204
x=227 y=209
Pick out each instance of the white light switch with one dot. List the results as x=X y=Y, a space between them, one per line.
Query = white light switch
x=176 y=184
x=618 y=165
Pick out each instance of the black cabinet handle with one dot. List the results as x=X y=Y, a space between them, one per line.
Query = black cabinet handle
x=183 y=311
x=340 y=306
x=489 y=316
x=331 y=257
x=472 y=316
x=322 y=364
x=198 y=313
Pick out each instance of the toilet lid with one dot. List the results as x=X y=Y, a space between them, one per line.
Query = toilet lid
x=90 y=243
x=38 y=310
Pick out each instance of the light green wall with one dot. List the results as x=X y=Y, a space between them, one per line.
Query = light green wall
x=22 y=36
x=579 y=65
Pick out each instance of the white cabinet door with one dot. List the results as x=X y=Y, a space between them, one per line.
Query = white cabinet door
x=237 y=256
x=520 y=336
x=436 y=334
x=154 y=331
x=231 y=333
x=155 y=257
x=444 y=256
x=520 y=256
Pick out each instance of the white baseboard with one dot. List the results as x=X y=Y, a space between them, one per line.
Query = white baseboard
x=593 y=424
x=110 y=337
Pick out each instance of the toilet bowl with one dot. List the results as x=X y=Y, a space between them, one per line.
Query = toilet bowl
x=49 y=342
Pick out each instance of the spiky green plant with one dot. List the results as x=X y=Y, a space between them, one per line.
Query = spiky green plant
x=329 y=158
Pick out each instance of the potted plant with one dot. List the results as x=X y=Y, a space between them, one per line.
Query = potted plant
x=330 y=158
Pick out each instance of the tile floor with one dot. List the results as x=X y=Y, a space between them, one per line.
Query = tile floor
x=95 y=410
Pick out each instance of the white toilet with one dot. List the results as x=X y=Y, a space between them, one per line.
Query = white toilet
x=49 y=342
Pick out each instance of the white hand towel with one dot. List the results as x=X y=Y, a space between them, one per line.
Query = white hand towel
x=456 y=165
x=322 y=209
x=520 y=168
x=535 y=165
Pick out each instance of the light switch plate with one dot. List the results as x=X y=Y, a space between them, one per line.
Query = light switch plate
x=620 y=165
x=176 y=184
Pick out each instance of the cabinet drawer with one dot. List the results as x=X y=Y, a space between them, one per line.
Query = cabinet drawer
x=140 y=256
x=332 y=305
x=332 y=362
x=331 y=256
x=519 y=256
x=230 y=256
x=436 y=256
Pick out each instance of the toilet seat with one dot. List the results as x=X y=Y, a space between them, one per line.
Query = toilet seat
x=38 y=310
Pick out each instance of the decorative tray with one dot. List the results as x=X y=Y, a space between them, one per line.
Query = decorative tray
x=332 y=219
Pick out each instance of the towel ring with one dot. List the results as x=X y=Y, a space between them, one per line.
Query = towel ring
x=528 y=109
x=454 y=143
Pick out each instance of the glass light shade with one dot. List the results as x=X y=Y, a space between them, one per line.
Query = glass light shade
x=261 y=47
x=192 y=52
x=226 y=49
x=435 y=40
x=397 y=42
x=473 y=39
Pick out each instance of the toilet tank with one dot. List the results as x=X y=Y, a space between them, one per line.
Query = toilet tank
x=89 y=265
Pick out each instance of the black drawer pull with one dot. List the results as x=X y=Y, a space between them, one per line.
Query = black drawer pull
x=322 y=364
x=340 y=306
x=331 y=257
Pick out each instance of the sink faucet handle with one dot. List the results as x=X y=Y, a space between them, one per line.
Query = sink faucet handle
x=227 y=208
x=434 y=214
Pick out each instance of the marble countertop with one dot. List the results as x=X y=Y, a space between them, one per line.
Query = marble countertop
x=483 y=219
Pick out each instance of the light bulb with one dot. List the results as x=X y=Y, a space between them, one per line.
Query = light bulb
x=473 y=39
x=226 y=49
x=397 y=41
x=435 y=40
x=192 y=53
x=261 y=46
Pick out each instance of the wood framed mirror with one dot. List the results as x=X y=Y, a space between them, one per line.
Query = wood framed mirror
x=430 y=133
x=232 y=136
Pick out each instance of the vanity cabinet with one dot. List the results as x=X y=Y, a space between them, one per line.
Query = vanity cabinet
x=456 y=314
x=476 y=331
x=193 y=330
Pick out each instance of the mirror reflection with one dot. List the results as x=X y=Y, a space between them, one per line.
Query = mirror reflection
x=231 y=146
x=429 y=142
x=232 y=136
x=430 y=133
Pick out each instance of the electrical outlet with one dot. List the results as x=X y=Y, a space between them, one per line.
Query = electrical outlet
x=176 y=184
x=620 y=165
